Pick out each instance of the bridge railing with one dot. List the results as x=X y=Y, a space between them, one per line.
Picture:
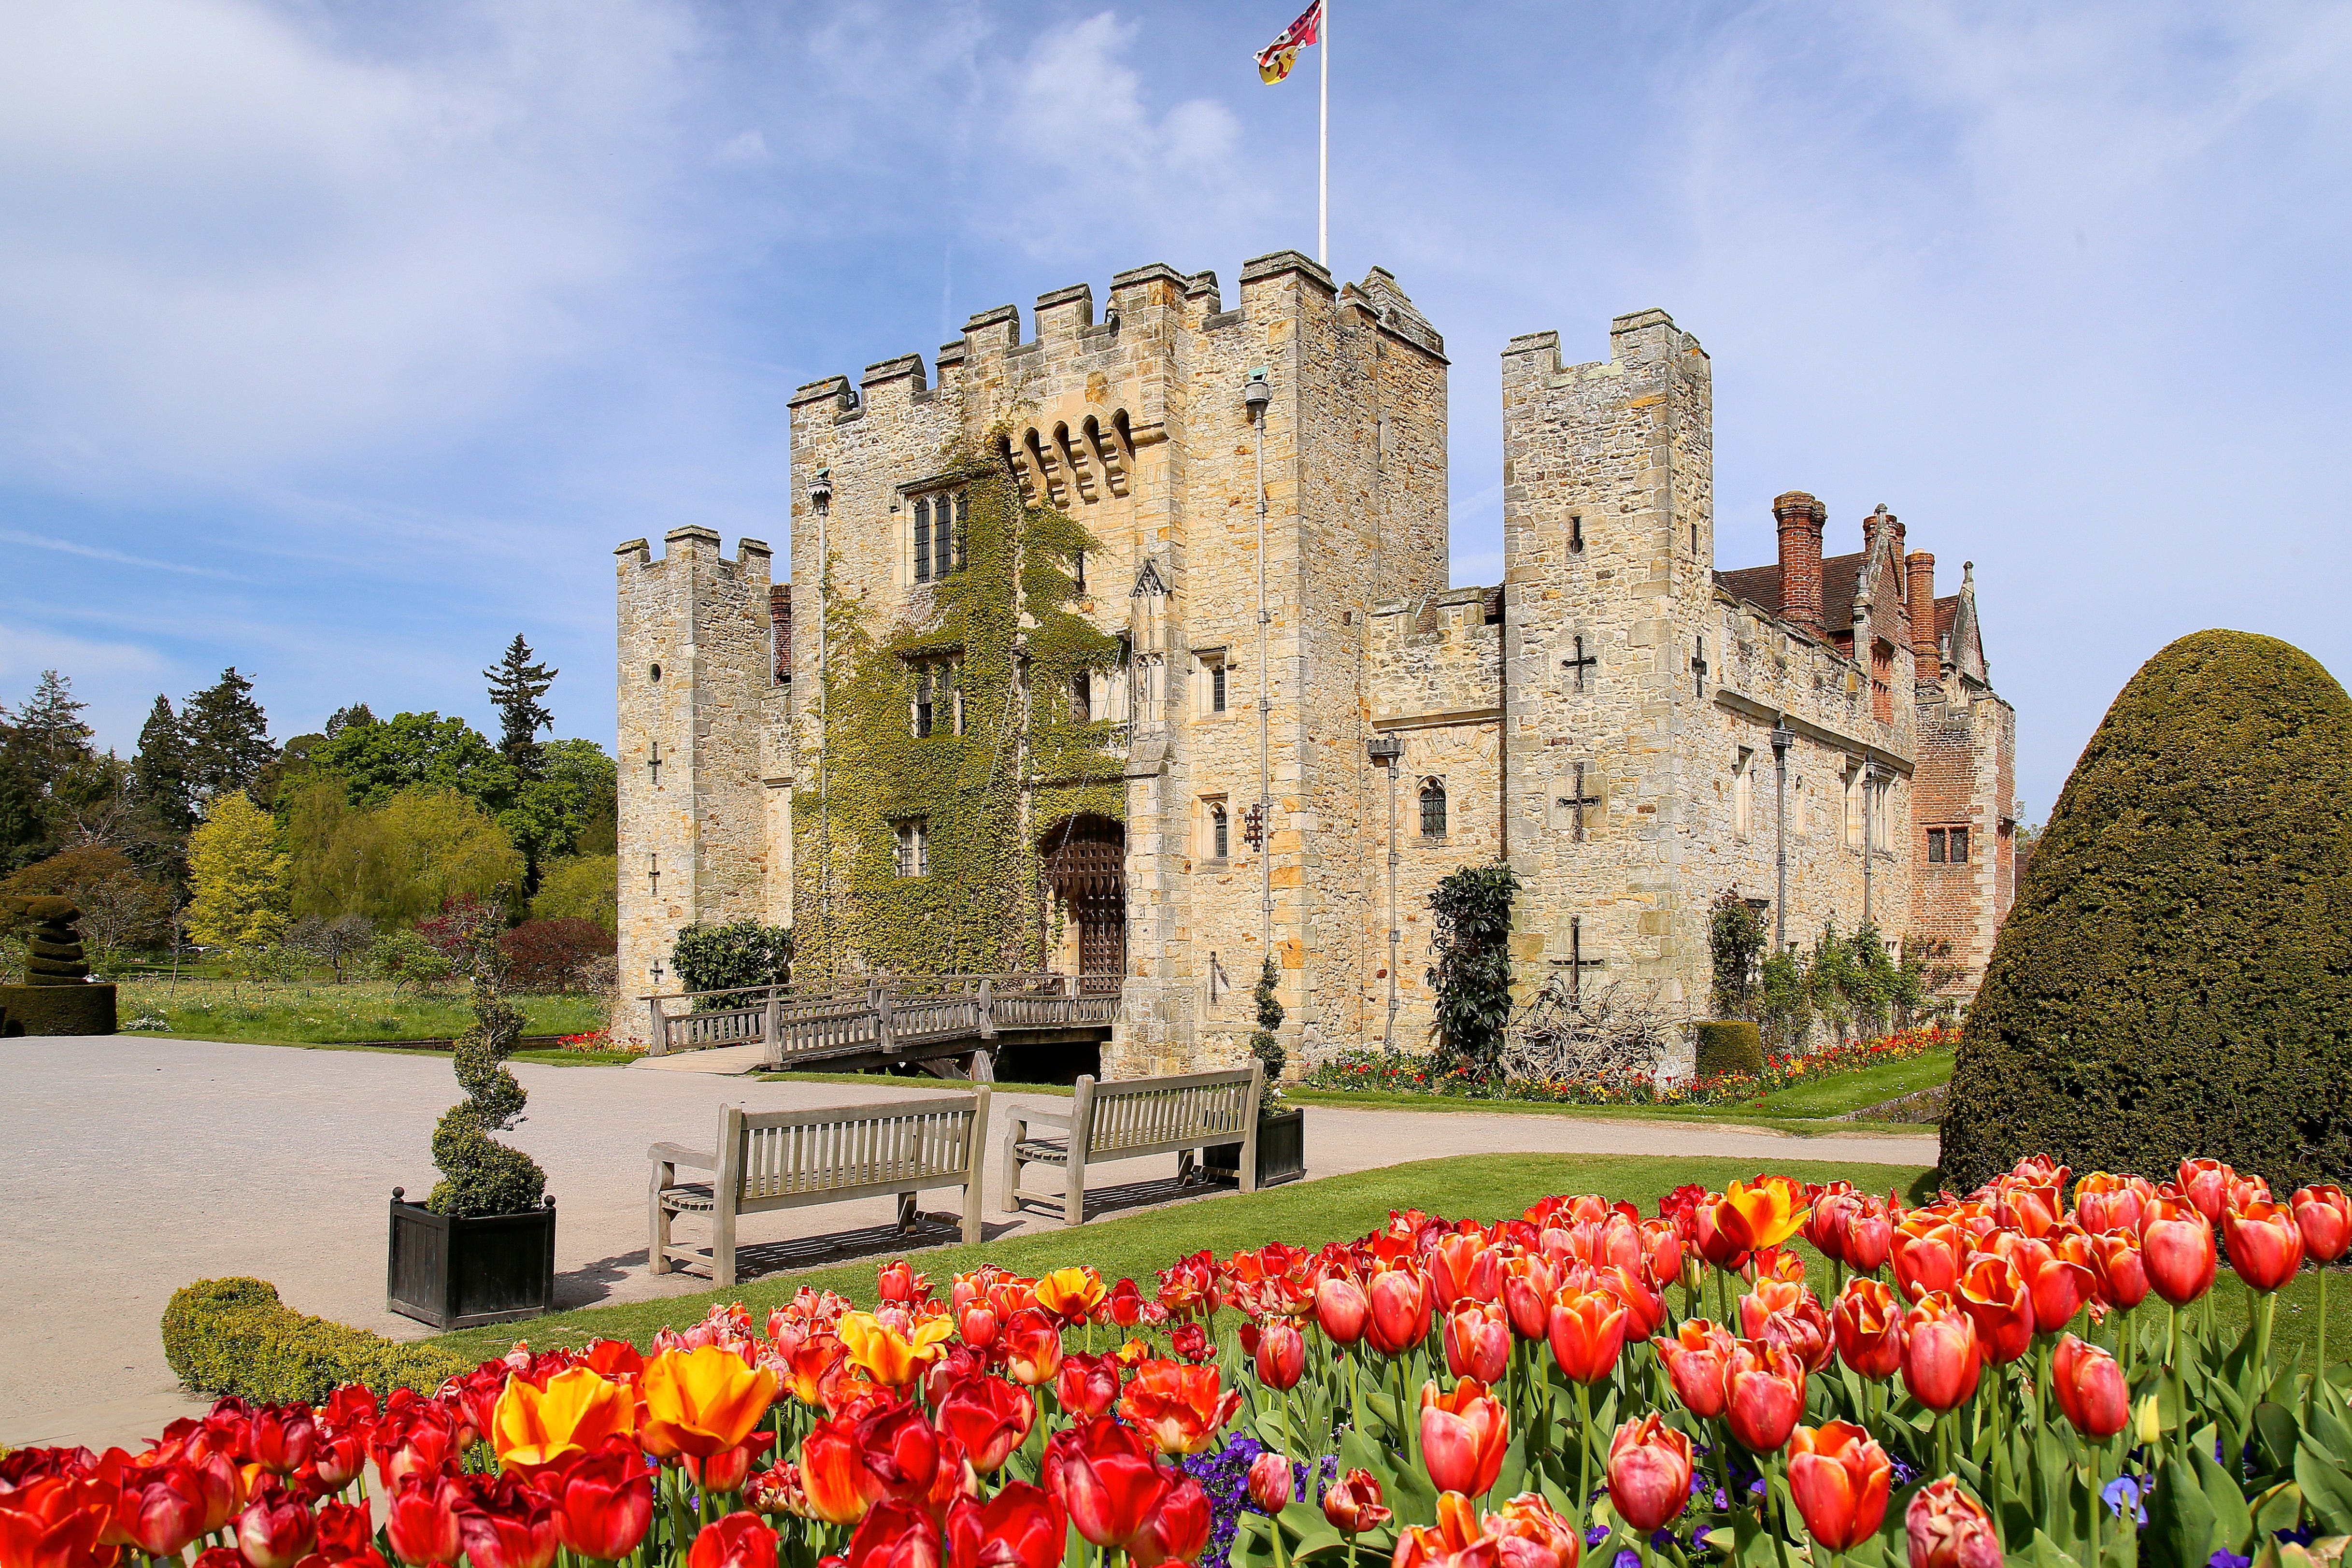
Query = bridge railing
x=881 y=1013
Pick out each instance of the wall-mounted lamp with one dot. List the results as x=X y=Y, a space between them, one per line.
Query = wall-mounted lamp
x=1257 y=394
x=820 y=491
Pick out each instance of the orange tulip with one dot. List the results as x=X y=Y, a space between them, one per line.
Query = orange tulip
x=1867 y=1326
x=1400 y=1308
x=1341 y=1308
x=1527 y=1286
x=576 y=1411
x=2090 y=1389
x=1179 y=1408
x=2265 y=1243
x=2122 y=1272
x=1928 y=1261
x=1765 y=1215
x=815 y=1367
x=1941 y=1359
x=1461 y=1266
x=1698 y=1359
x=1453 y=1541
x=2057 y=1271
x=1033 y=1347
x=2178 y=1249
x=701 y=1402
x=1868 y=1237
x=1764 y=1395
x=1353 y=1504
x=1788 y=1315
x=890 y=1357
x=1071 y=1294
x=1998 y=1303
x=2029 y=1207
x=1530 y=1533
x=1463 y=1436
x=2324 y=1217
x=1645 y=1304
x=1949 y=1528
x=1477 y=1342
x=2205 y=1184
x=1649 y=1473
x=1588 y=1332
x=2103 y=1203
x=1838 y=1477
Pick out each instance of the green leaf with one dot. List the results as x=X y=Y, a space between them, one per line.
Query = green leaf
x=2179 y=1533
x=2326 y=1489
x=2276 y=1433
x=2277 y=1510
x=2234 y=1521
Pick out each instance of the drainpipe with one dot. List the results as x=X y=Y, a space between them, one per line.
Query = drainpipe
x=1782 y=738
x=1869 y=771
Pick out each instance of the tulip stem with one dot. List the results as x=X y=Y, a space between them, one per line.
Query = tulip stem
x=2319 y=1372
x=1584 y=1423
x=2180 y=1387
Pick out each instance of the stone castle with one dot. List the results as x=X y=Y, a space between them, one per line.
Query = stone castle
x=1314 y=728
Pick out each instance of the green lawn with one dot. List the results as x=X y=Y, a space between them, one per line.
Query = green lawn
x=1805 y=1109
x=320 y=1012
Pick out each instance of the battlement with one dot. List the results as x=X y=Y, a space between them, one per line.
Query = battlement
x=694 y=543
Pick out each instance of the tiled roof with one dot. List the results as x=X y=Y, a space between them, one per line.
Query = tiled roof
x=1841 y=575
x=1948 y=610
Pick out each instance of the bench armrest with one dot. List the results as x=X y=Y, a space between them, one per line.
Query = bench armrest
x=680 y=1154
x=1060 y=1119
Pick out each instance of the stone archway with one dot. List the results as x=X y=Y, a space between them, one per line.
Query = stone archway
x=1086 y=864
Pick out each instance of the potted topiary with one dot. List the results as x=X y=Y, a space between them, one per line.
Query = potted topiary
x=1281 y=1126
x=481 y=1249
x=58 y=998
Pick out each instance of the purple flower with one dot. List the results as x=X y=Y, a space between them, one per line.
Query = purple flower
x=2124 y=1491
x=2228 y=1559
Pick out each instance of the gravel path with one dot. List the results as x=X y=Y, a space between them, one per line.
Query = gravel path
x=135 y=1165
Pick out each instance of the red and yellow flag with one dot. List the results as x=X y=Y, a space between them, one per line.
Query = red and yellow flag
x=1274 y=61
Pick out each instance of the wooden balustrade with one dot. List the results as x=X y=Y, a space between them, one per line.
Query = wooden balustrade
x=885 y=1014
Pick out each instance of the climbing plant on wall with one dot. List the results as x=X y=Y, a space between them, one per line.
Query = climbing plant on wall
x=967 y=896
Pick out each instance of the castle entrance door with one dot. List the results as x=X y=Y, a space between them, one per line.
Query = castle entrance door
x=1085 y=861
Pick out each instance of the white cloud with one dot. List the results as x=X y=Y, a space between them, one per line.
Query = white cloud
x=744 y=150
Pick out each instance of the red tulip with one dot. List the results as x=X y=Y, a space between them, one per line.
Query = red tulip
x=2121 y=1271
x=507 y=1522
x=830 y=1473
x=1588 y=1332
x=1399 y=1310
x=2265 y=1243
x=1788 y=1315
x=1645 y=1304
x=55 y=1522
x=1106 y=1477
x=1869 y=1238
x=1868 y=1328
x=1662 y=1249
x=1191 y=1341
x=1178 y=1526
x=727 y=1470
x=1698 y=1359
x=1949 y=1528
x=1528 y=1532
x=738 y=1541
x=1464 y=1265
x=283 y=1437
x=346 y=1532
x=421 y=1520
x=1477 y=1342
x=1020 y=1527
x=604 y=1501
x=1764 y=1395
x=976 y=1325
x=2057 y=1271
x=1341 y=1308
x=896 y=1534
x=1929 y=1261
x=1125 y=1304
x=1271 y=1482
x=1708 y=1236
x=163 y=1507
x=1463 y=1436
x=2000 y=1305
x=2326 y=1218
x=1941 y=1359
x=1649 y=1473
x=1825 y=1226
x=898 y=1281
x=2103 y=1203
x=2205 y=1184
x=2177 y=1247
x=992 y=1417
x=2090 y=1389
x=1352 y=1505
x=1033 y=1347
x=1281 y=1356
x=1838 y=1477
x=277 y=1531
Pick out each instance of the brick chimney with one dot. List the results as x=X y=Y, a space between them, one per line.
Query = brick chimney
x=1800 y=518
x=1919 y=573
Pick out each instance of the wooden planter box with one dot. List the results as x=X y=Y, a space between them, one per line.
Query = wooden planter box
x=459 y=1271
x=1281 y=1150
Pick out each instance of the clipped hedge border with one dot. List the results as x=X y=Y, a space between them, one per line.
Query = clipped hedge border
x=1736 y=1047
x=235 y=1336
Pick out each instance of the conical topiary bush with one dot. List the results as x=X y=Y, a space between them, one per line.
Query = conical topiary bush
x=2176 y=977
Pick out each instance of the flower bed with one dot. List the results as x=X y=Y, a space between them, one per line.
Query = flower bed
x=1381 y=1072
x=1978 y=1377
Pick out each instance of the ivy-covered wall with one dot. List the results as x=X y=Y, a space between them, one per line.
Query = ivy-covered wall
x=1022 y=760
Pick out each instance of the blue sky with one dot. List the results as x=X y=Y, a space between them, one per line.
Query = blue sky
x=341 y=342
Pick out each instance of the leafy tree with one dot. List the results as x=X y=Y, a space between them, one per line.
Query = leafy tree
x=236 y=874
x=581 y=887
x=2176 y=977
x=727 y=957
x=408 y=961
x=398 y=862
x=1736 y=941
x=342 y=718
x=412 y=750
x=159 y=774
x=227 y=737
x=1472 y=977
x=516 y=686
x=121 y=911
x=1784 y=1000
x=554 y=955
x=589 y=784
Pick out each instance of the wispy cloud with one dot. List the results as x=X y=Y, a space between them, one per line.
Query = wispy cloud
x=116 y=557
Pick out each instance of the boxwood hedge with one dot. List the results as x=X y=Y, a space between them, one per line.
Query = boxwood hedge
x=234 y=1336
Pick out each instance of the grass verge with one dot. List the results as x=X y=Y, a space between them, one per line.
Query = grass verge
x=326 y=1014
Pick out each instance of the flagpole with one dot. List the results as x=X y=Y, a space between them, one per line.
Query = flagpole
x=1323 y=175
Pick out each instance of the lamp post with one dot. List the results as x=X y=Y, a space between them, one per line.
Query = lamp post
x=821 y=498
x=1782 y=738
x=1255 y=396
x=1389 y=749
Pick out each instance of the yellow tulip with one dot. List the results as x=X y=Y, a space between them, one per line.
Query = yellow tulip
x=701 y=1402
x=890 y=1357
x=1070 y=1294
x=1765 y=1215
x=576 y=1411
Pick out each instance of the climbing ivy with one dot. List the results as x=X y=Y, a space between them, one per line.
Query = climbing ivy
x=1024 y=762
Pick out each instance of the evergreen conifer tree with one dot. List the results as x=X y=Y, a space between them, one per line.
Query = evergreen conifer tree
x=159 y=774
x=226 y=735
x=49 y=735
x=350 y=717
x=516 y=686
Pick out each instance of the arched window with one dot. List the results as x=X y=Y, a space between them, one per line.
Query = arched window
x=922 y=542
x=1433 y=808
x=1220 y=844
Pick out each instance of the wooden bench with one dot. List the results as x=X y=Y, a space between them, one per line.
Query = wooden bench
x=1127 y=1119
x=790 y=1159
